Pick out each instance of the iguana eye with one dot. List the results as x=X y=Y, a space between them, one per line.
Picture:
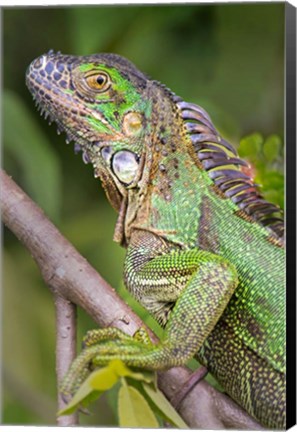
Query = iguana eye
x=125 y=166
x=99 y=82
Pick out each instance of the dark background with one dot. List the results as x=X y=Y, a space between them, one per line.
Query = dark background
x=227 y=58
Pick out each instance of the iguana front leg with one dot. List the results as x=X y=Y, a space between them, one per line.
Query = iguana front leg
x=198 y=283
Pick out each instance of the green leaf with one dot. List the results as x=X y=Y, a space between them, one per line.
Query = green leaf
x=167 y=410
x=272 y=147
x=112 y=400
x=274 y=180
x=250 y=145
x=134 y=411
x=104 y=379
x=123 y=371
x=73 y=405
x=99 y=380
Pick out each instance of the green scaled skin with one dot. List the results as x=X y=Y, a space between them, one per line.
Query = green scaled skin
x=205 y=252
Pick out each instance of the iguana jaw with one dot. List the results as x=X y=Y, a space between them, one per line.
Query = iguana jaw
x=57 y=83
x=56 y=105
x=84 y=125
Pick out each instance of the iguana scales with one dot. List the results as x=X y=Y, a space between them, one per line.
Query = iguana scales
x=205 y=251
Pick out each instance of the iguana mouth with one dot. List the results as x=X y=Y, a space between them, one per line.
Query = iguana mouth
x=37 y=83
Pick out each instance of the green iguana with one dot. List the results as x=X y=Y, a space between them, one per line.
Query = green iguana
x=205 y=251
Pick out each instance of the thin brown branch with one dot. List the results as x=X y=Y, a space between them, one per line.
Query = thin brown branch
x=70 y=276
x=65 y=350
x=64 y=270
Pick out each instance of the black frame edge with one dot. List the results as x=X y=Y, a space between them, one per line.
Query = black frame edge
x=290 y=132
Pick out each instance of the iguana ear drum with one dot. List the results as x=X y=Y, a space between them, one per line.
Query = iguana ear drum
x=132 y=123
x=125 y=166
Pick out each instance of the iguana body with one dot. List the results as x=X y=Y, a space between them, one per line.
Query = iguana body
x=204 y=251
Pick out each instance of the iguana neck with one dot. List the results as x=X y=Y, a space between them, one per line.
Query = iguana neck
x=161 y=148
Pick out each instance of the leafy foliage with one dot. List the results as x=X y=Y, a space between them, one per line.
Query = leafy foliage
x=133 y=408
x=266 y=159
x=134 y=411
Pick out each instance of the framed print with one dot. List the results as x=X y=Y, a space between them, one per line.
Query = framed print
x=146 y=277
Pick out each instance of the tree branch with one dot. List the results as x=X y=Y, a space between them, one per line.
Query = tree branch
x=65 y=350
x=69 y=275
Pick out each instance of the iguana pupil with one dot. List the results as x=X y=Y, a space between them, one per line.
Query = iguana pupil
x=100 y=80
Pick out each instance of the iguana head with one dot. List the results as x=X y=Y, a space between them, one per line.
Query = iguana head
x=99 y=101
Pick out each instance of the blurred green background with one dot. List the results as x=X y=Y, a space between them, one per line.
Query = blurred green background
x=227 y=58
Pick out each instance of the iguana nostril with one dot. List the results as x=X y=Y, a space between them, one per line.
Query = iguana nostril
x=37 y=63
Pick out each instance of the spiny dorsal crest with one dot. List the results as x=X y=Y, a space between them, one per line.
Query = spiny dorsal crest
x=224 y=167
